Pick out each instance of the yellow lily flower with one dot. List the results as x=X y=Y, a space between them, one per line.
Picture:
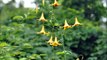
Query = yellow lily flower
x=56 y=43
x=66 y=25
x=43 y=2
x=50 y=41
x=55 y=4
x=36 y=8
x=42 y=18
x=76 y=22
x=77 y=59
x=42 y=31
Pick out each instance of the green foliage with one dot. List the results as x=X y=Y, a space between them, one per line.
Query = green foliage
x=19 y=41
x=92 y=10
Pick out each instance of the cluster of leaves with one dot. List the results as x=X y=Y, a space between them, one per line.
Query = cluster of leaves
x=92 y=10
x=19 y=41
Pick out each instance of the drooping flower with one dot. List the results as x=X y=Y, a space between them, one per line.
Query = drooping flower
x=42 y=31
x=43 y=2
x=42 y=18
x=76 y=22
x=36 y=8
x=50 y=40
x=66 y=25
x=77 y=59
x=56 y=43
x=55 y=4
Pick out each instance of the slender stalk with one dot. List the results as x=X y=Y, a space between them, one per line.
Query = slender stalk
x=63 y=44
x=53 y=48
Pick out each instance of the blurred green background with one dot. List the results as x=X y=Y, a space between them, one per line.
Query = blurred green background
x=18 y=27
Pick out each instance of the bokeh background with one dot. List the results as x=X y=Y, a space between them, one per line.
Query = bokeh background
x=18 y=27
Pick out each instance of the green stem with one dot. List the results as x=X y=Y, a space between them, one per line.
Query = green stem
x=63 y=45
x=53 y=48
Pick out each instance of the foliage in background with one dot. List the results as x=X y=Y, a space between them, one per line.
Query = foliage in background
x=19 y=41
x=92 y=10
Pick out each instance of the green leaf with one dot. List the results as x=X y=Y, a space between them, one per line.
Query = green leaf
x=18 y=18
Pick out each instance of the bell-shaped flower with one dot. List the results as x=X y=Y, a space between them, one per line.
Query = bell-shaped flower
x=55 y=4
x=77 y=59
x=50 y=40
x=43 y=2
x=36 y=8
x=56 y=43
x=42 y=18
x=66 y=25
x=76 y=22
x=42 y=31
